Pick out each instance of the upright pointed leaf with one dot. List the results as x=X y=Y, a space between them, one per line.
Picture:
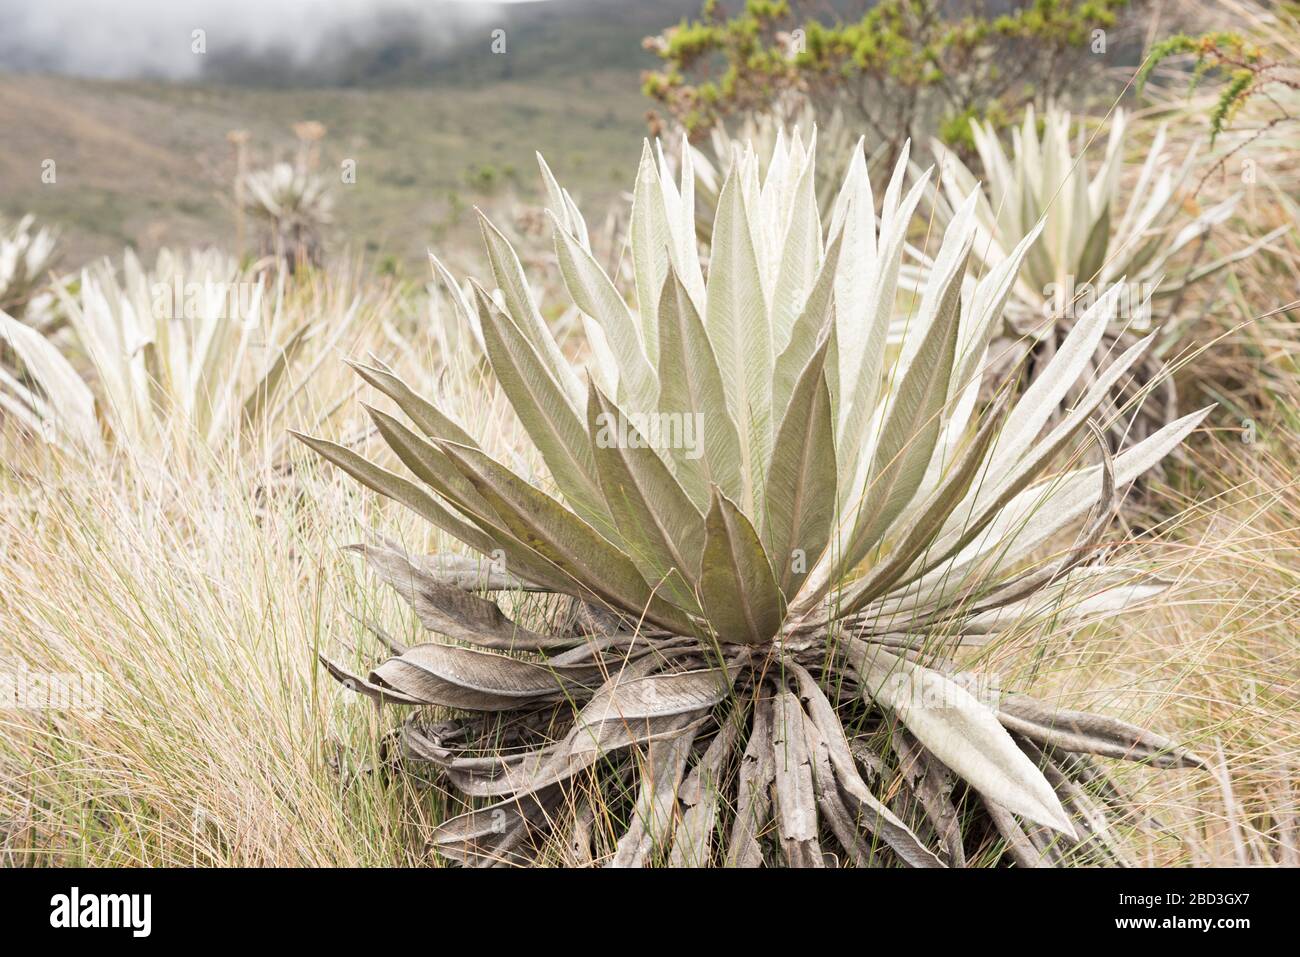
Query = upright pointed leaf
x=649 y=237
x=538 y=400
x=738 y=591
x=663 y=530
x=691 y=385
x=512 y=282
x=799 y=257
x=736 y=321
x=911 y=429
x=819 y=310
x=595 y=295
x=801 y=481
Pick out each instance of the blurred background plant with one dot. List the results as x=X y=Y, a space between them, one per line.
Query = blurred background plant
x=27 y=255
x=195 y=352
x=291 y=207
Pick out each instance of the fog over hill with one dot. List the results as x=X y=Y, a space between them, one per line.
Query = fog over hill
x=327 y=42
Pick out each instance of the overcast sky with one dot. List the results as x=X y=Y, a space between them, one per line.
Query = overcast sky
x=122 y=38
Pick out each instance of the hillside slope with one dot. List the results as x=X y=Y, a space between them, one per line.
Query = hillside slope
x=148 y=163
x=435 y=121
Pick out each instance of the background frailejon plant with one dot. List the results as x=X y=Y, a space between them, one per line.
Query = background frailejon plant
x=164 y=541
x=195 y=350
x=26 y=256
x=1097 y=232
x=291 y=206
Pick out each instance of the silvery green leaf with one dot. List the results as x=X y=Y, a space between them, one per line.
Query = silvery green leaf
x=523 y=312
x=809 y=329
x=1036 y=513
x=973 y=515
x=738 y=592
x=663 y=530
x=464 y=309
x=736 y=322
x=679 y=212
x=594 y=565
x=427 y=417
x=691 y=385
x=1044 y=394
x=400 y=490
x=594 y=294
x=562 y=207
x=853 y=224
x=801 y=480
x=63 y=392
x=551 y=421
x=962 y=733
x=799 y=259
x=649 y=238
x=919 y=535
x=860 y=401
x=911 y=427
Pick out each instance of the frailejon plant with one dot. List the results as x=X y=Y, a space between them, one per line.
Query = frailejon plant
x=195 y=348
x=26 y=255
x=775 y=534
x=293 y=207
x=1093 y=237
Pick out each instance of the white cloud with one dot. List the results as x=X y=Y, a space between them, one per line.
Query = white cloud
x=119 y=38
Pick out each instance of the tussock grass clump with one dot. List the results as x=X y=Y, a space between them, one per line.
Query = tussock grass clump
x=195 y=608
x=1216 y=656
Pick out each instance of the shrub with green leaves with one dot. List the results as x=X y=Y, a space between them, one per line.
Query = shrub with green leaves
x=899 y=66
x=1251 y=74
x=1244 y=70
x=772 y=535
x=1097 y=232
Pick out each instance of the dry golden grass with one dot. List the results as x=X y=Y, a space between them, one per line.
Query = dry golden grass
x=202 y=608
